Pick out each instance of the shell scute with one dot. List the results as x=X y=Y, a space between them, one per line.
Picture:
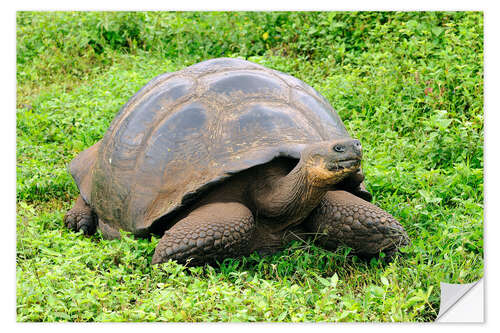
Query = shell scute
x=247 y=82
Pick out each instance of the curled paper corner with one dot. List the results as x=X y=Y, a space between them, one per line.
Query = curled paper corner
x=462 y=303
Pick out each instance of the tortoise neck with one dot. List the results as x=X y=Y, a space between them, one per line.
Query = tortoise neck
x=289 y=199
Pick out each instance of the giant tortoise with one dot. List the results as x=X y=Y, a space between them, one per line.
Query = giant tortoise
x=224 y=158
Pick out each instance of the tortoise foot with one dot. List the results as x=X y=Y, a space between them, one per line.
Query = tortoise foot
x=344 y=219
x=81 y=217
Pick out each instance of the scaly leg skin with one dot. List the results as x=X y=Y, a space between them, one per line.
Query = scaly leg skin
x=107 y=231
x=343 y=218
x=81 y=217
x=209 y=233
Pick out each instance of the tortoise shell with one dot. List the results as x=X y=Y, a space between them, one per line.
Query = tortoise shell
x=186 y=131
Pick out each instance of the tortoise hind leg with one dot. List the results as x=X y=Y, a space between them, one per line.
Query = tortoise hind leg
x=343 y=218
x=81 y=217
x=108 y=232
x=209 y=233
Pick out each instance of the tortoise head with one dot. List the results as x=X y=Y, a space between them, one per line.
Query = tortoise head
x=329 y=162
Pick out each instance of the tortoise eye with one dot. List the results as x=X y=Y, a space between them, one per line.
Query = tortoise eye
x=339 y=148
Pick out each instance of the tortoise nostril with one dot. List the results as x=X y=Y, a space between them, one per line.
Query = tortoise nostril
x=339 y=148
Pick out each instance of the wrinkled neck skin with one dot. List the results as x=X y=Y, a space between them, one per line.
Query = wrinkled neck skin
x=287 y=200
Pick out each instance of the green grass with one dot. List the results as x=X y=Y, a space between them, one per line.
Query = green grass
x=409 y=85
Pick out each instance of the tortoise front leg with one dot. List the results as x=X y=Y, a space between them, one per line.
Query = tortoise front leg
x=343 y=218
x=209 y=233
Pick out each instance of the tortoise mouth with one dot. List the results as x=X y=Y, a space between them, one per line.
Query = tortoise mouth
x=344 y=164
